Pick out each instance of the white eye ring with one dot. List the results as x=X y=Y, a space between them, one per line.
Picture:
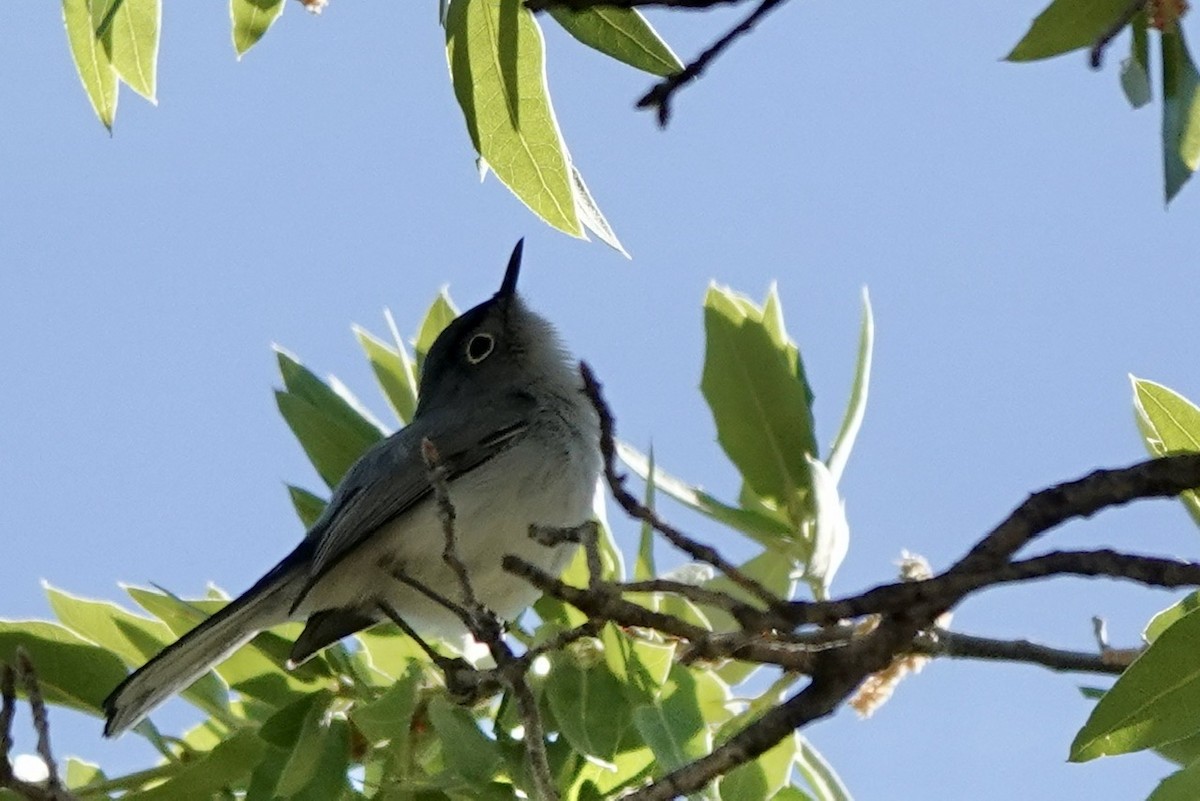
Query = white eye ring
x=480 y=347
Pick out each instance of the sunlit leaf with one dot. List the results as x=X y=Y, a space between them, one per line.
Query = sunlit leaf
x=621 y=33
x=92 y=61
x=762 y=527
x=1159 y=623
x=495 y=51
x=589 y=702
x=591 y=216
x=439 y=315
x=674 y=725
x=251 y=18
x=755 y=386
x=395 y=372
x=71 y=671
x=1169 y=423
x=131 y=40
x=332 y=432
x=839 y=454
x=135 y=639
x=822 y=779
x=764 y=776
x=308 y=506
x=231 y=760
x=830 y=532
x=1154 y=701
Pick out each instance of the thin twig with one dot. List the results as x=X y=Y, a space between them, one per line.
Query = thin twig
x=957 y=645
x=486 y=628
x=635 y=509
x=41 y=722
x=660 y=95
x=441 y=493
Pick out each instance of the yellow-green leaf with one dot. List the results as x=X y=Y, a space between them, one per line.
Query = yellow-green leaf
x=91 y=60
x=250 y=19
x=1169 y=423
x=496 y=56
x=1155 y=701
x=131 y=39
x=755 y=385
x=622 y=33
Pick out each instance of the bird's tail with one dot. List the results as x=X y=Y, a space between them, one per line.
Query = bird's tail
x=266 y=604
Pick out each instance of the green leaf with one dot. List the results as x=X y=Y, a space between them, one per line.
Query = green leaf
x=389 y=717
x=135 y=639
x=763 y=777
x=1181 y=112
x=1154 y=701
x=839 y=454
x=329 y=779
x=588 y=701
x=1135 y=70
x=1067 y=25
x=495 y=51
x=1159 y=623
x=80 y=774
x=1169 y=423
x=91 y=60
x=251 y=18
x=759 y=526
x=591 y=216
x=395 y=372
x=332 y=432
x=72 y=671
x=623 y=34
x=643 y=565
x=760 y=400
x=674 y=726
x=829 y=531
x=229 y=762
x=820 y=776
x=256 y=669
x=131 y=40
x=309 y=742
x=389 y=651
x=774 y=572
x=1182 y=752
x=469 y=752
x=1182 y=785
x=309 y=507
x=639 y=665
x=791 y=794
x=441 y=313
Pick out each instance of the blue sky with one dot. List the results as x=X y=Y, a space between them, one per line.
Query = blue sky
x=1007 y=219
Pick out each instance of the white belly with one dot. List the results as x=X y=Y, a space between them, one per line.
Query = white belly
x=495 y=505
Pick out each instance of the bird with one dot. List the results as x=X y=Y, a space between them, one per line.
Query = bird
x=501 y=401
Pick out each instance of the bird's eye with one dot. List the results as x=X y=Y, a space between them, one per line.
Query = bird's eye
x=480 y=347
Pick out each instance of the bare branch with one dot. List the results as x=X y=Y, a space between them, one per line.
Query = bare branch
x=956 y=645
x=660 y=95
x=635 y=509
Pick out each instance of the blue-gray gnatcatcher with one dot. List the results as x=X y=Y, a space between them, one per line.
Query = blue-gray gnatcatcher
x=502 y=402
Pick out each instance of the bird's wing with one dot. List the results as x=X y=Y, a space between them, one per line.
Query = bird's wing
x=391 y=478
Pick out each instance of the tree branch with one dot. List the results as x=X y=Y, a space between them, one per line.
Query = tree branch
x=956 y=645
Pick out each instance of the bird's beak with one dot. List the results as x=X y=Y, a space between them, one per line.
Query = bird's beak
x=508 y=287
